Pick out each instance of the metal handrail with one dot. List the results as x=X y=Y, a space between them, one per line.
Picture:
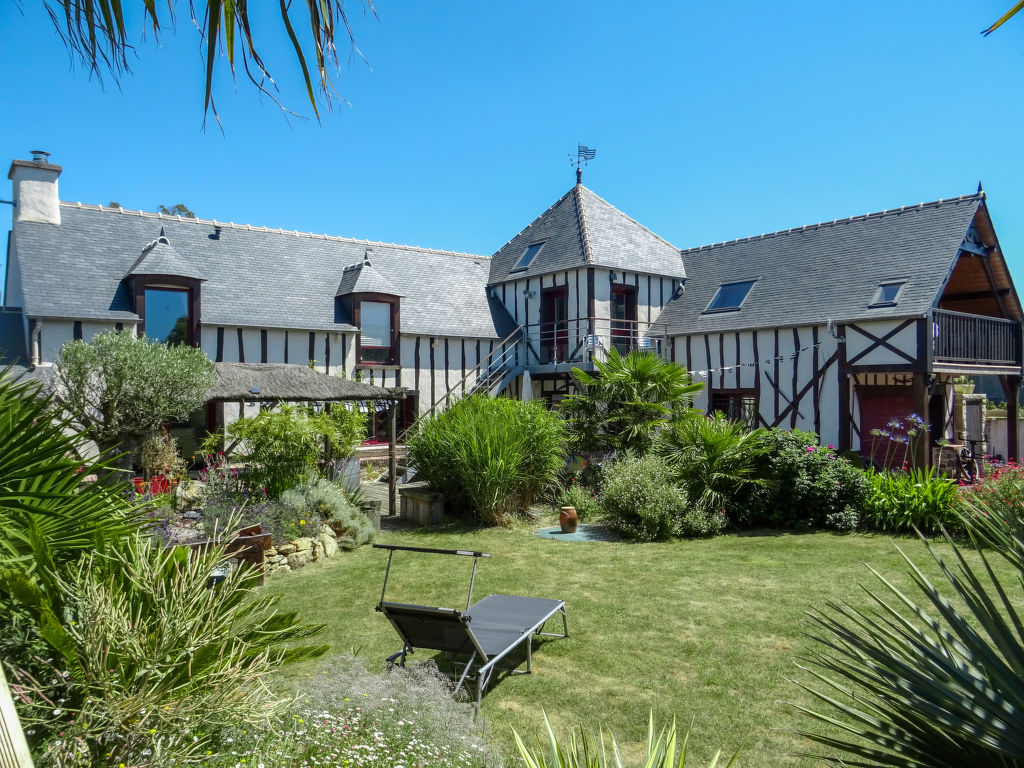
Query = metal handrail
x=474 y=370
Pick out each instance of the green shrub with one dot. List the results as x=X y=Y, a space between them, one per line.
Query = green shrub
x=491 y=458
x=641 y=501
x=810 y=486
x=283 y=445
x=320 y=502
x=666 y=749
x=713 y=458
x=156 y=661
x=583 y=499
x=901 y=501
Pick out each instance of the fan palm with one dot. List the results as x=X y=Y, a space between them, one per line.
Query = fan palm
x=917 y=681
x=46 y=511
x=627 y=400
x=1004 y=18
x=715 y=458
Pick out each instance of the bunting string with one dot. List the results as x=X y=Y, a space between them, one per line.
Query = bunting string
x=765 y=361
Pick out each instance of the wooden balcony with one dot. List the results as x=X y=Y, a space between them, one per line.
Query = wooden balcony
x=959 y=339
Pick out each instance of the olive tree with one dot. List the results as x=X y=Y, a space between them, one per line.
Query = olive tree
x=118 y=387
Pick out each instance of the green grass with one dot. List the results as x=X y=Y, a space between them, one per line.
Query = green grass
x=702 y=630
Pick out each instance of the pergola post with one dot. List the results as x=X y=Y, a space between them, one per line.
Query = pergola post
x=1011 y=385
x=392 y=457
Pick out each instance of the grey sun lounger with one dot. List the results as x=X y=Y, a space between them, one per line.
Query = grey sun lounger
x=477 y=637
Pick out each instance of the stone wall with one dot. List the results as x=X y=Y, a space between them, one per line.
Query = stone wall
x=305 y=549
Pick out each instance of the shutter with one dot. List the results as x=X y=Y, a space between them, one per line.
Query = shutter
x=375 y=320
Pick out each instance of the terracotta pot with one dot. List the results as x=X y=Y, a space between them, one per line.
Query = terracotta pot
x=567 y=519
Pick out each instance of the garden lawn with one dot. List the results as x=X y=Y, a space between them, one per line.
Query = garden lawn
x=706 y=631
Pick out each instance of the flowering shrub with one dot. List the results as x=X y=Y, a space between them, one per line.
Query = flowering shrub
x=810 y=486
x=316 y=502
x=347 y=717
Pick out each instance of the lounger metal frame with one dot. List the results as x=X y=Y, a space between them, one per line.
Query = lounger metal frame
x=460 y=639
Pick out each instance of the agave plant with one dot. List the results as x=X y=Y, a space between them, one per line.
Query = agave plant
x=666 y=749
x=916 y=681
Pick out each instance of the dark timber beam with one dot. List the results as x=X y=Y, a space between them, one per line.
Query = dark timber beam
x=923 y=445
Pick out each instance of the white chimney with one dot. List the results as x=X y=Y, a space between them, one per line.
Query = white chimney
x=34 y=190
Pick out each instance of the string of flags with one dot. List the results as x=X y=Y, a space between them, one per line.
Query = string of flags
x=764 y=361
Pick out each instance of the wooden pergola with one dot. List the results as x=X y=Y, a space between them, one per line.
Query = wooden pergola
x=280 y=383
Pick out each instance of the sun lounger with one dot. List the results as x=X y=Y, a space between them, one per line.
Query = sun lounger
x=477 y=637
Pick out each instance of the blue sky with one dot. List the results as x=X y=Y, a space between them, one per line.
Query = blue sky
x=711 y=120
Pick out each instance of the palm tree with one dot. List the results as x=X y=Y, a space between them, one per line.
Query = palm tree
x=715 y=458
x=95 y=31
x=1004 y=18
x=627 y=400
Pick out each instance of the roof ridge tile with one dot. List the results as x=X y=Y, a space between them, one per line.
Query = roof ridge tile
x=257 y=228
x=850 y=219
x=581 y=225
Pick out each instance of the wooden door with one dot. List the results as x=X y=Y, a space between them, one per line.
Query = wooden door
x=624 y=318
x=880 y=406
x=554 y=324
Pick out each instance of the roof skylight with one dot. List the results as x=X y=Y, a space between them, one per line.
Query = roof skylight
x=528 y=256
x=888 y=293
x=730 y=296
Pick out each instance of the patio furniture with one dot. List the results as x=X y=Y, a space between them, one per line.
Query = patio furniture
x=477 y=637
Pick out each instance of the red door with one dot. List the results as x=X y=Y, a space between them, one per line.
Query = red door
x=624 y=318
x=554 y=324
x=880 y=407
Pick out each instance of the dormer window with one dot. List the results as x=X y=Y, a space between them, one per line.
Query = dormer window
x=376 y=332
x=730 y=296
x=166 y=315
x=888 y=293
x=529 y=255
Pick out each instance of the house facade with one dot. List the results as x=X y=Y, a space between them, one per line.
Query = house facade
x=837 y=327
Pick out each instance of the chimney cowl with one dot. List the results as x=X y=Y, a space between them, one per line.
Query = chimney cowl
x=40 y=156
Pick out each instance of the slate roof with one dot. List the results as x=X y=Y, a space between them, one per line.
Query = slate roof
x=12 y=338
x=254 y=276
x=363 y=277
x=809 y=274
x=582 y=229
x=160 y=258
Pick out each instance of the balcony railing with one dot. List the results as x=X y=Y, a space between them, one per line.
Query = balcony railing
x=974 y=339
x=574 y=340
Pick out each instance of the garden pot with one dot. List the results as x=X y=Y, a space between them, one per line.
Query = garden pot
x=568 y=520
x=140 y=485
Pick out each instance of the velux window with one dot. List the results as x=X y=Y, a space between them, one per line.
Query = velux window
x=888 y=294
x=528 y=256
x=730 y=296
x=375 y=332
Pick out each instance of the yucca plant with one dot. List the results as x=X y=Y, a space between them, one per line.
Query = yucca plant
x=916 y=682
x=665 y=749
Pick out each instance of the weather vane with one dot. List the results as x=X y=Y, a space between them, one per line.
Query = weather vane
x=583 y=155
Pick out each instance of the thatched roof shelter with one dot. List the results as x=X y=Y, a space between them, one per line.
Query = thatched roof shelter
x=284 y=382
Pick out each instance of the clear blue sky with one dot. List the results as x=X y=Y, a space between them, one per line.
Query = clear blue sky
x=711 y=120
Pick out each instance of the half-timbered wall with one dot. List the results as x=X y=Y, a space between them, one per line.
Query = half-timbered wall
x=791 y=372
x=328 y=351
x=803 y=377
x=522 y=297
